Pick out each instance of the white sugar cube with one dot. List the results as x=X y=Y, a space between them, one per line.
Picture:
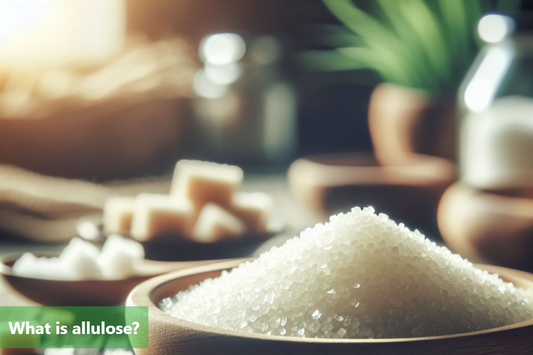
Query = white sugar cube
x=77 y=246
x=203 y=182
x=31 y=266
x=156 y=215
x=254 y=209
x=119 y=257
x=79 y=259
x=215 y=223
x=118 y=212
x=25 y=265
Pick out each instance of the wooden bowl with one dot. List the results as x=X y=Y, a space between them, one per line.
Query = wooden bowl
x=496 y=226
x=408 y=190
x=170 y=335
x=50 y=292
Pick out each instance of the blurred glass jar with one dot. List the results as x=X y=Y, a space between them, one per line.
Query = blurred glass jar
x=245 y=111
x=496 y=107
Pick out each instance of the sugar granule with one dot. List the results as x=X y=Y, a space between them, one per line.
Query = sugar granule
x=359 y=276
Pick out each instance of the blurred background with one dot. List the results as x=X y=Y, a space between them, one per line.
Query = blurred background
x=78 y=94
x=324 y=104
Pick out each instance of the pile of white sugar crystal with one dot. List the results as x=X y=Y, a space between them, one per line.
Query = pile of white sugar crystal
x=359 y=276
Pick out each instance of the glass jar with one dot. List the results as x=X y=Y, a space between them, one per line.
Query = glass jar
x=496 y=108
x=245 y=110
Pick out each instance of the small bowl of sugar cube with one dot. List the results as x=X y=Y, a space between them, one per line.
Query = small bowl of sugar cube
x=359 y=284
x=83 y=274
x=204 y=216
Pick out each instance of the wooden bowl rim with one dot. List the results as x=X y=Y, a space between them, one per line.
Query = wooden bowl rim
x=142 y=295
x=495 y=202
x=413 y=170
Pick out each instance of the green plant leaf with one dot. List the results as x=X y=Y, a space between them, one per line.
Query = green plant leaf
x=456 y=24
x=427 y=29
x=340 y=40
x=369 y=58
x=427 y=44
x=332 y=60
x=409 y=49
x=375 y=36
x=356 y=20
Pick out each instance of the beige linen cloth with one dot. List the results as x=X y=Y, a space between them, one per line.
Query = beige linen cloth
x=46 y=209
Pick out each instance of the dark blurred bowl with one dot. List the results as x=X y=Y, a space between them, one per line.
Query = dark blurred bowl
x=408 y=190
x=175 y=248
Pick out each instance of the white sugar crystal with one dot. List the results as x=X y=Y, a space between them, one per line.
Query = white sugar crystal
x=359 y=276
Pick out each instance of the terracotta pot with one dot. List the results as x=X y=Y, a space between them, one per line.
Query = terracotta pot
x=495 y=226
x=404 y=120
x=408 y=190
x=170 y=335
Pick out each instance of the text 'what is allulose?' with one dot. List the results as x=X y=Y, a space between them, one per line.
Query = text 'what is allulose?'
x=85 y=328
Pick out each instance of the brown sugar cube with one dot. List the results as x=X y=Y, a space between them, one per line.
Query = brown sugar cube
x=118 y=211
x=214 y=223
x=204 y=182
x=254 y=209
x=156 y=214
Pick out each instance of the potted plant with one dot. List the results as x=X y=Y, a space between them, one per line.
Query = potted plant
x=420 y=51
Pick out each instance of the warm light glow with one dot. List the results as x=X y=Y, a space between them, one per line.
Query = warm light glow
x=486 y=80
x=222 y=48
x=37 y=33
x=16 y=16
x=55 y=84
x=494 y=28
